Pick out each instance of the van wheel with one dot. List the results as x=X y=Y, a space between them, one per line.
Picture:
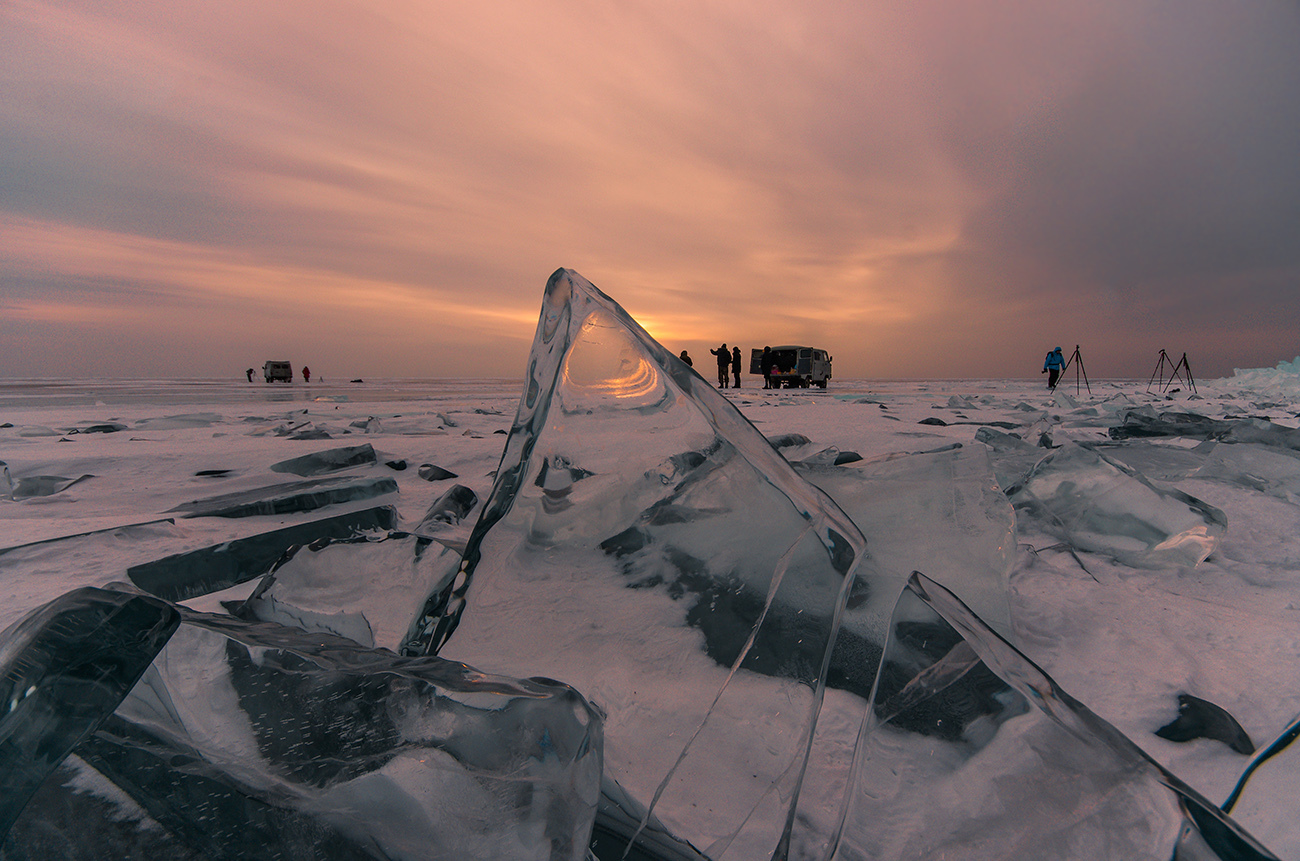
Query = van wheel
x=821 y=383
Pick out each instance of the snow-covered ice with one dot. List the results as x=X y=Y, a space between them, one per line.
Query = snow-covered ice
x=717 y=574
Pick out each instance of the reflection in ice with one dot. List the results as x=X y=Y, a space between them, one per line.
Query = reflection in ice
x=628 y=482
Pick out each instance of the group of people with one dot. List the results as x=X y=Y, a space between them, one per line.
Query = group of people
x=729 y=360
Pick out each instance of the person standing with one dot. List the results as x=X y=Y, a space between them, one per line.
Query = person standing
x=250 y=374
x=765 y=365
x=685 y=357
x=306 y=374
x=1052 y=366
x=735 y=365
x=724 y=360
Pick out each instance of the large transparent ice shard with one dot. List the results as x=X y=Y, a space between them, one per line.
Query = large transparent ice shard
x=253 y=740
x=644 y=543
x=1099 y=505
x=970 y=751
x=63 y=669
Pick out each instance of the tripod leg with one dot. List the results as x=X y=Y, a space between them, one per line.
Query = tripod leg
x=1159 y=364
x=1078 y=369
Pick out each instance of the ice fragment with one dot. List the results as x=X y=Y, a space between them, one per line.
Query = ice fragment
x=63 y=669
x=970 y=751
x=1102 y=506
x=256 y=740
x=288 y=498
x=430 y=472
x=329 y=460
x=211 y=569
x=1198 y=718
x=729 y=579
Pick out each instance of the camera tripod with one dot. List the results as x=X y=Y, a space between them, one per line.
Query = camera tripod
x=1174 y=368
x=1076 y=359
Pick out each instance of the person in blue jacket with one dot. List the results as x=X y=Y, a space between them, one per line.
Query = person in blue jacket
x=1052 y=366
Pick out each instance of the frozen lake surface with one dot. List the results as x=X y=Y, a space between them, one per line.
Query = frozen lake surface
x=1144 y=571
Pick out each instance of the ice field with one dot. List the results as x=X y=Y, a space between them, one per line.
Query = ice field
x=611 y=604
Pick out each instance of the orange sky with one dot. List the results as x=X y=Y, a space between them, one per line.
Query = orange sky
x=933 y=189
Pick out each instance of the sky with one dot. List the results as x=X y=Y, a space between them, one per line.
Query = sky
x=934 y=189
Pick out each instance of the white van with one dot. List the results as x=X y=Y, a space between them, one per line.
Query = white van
x=278 y=372
x=794 y=366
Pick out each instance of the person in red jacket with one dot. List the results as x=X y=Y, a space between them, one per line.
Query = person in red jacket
x=306 y=374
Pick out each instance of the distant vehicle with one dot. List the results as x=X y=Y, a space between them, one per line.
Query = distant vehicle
x=278 y=372
x=794 y=367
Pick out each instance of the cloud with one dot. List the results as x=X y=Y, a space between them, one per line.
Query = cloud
x=899 y=182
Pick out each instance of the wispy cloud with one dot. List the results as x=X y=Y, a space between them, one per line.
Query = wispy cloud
x=900 y=183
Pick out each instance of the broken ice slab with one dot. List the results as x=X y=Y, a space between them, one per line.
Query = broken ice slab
x=1062 y=400
x=431 y=472
x=1263 y=432
x=970 y=751
x=646 y=544
x=330 y=460
x=831 y=456
x=1157 y=461
x=445 y=521
x=99 y=427
x=124 y=529
x=942 y=512
x=1102 y=506
x=252 y=740
x=63 y=669
x=453 y=506
x=288 y=498
x=366 y=589
x=789 y=440
x=1198 y=718
x=211 y=569
x=1010 y=455
x=179 y=422
x=1145 y=423
x=1268 y=469
x=30 y=486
